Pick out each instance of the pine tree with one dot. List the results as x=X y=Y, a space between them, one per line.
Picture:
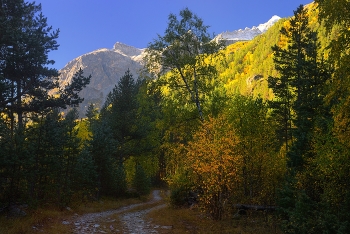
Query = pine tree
x=299 y=89
x=303 y=71
x=25 y=78
x=120 y=111
x=30 y=93
x=102 y=148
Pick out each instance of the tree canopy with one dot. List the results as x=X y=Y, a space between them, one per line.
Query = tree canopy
x=184 y=51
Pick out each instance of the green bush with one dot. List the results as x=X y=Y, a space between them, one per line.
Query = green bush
x=141 y=182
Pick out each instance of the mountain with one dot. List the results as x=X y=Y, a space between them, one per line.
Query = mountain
x=106 y=67
x=246 y=34
x=264 y=27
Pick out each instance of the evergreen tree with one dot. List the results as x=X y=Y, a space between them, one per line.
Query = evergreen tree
x=149 y=117
x=71 y=154
x=121 y=113
x=110 y=173
x=53 y=149
x=25 y=79
x=35 y=155
x=141 y=181
x=305 y=75
x=85 y=176
x=299 y=89
x=332 y=165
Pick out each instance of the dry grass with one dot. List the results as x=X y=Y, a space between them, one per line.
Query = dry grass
x=193 y=221
x=49 y=219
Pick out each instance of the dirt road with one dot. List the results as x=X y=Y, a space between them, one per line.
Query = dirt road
x=132 y=218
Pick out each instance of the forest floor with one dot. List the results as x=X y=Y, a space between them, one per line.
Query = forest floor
x=139 y=216
x=156 y=216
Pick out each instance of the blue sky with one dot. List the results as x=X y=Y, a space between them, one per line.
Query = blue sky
x=87 y=25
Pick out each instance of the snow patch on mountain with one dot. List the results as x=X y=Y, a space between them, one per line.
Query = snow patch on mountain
x=247 y=33
x=264 y=27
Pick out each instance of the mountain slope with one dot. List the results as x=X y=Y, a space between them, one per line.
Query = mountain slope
x=248 y=64
x=106 y=67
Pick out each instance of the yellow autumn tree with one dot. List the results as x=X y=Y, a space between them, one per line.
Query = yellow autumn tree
x=263 y=168
x=214 y=165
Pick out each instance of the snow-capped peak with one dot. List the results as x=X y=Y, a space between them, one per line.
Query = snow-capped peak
x=247 y=33
x=263 y=27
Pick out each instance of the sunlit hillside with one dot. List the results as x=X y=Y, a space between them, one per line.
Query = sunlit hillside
x=248 y=64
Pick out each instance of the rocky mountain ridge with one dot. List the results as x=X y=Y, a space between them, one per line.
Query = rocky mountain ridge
x=246 y=34
x=106 y=67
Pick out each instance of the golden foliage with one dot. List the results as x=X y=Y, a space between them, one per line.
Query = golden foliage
x=214 y=164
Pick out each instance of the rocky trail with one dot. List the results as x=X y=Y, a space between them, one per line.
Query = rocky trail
x=131 y=218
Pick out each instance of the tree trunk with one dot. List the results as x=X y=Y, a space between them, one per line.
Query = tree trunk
x=254 y=207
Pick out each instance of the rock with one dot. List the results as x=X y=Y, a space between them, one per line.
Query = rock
x=64 y=222
x=96 y=225
x=17 y=210
x=106 y=67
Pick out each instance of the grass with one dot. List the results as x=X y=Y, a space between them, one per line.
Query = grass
x=39 y=219
x=185 y=220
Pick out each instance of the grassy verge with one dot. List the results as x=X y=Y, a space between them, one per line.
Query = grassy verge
x=185 y=220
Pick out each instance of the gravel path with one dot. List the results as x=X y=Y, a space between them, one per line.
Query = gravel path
x=133 y=221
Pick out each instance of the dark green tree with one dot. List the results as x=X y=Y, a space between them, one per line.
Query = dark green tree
x=332 y=165
x=25 y=78
x=30 y=93
x=91 y=113
x=53 y=151
x=149 y=117
x=85 y=176
x=120 y=111
x=299 y=88
x=301 y=85
x=141 y=181
x=110 y=172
